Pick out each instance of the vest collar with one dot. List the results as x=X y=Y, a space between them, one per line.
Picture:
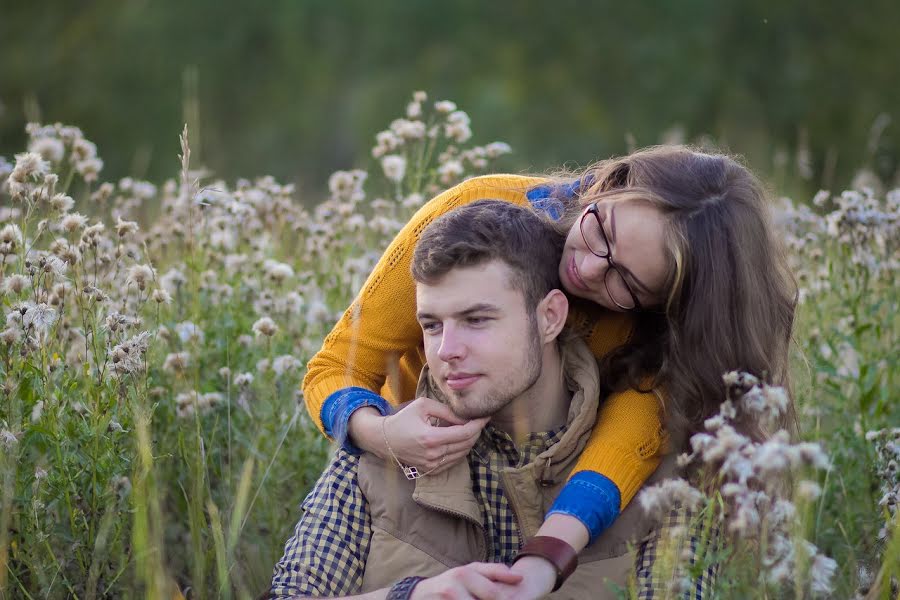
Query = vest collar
x=451 y=490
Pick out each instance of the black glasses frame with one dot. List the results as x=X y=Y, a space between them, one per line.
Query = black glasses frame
x=593 y=210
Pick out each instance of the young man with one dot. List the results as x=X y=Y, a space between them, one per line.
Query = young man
x=492 y=318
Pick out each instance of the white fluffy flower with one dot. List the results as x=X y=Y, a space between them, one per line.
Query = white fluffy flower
x=394 y=167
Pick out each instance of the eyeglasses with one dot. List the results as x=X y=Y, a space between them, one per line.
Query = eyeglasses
x=597 y=242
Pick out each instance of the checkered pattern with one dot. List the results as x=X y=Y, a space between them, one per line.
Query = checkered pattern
x=327 y=554
x=667 y=563
x=497 y=449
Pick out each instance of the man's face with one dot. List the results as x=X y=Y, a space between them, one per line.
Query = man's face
x=482 y=346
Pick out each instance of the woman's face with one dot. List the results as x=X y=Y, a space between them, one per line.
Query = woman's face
x=634 y=231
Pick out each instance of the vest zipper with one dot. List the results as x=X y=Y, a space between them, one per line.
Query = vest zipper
x=464 y=517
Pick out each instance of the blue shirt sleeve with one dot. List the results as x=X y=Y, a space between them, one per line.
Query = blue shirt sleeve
x=552 y=199
x=591 y=498
x=338 y=407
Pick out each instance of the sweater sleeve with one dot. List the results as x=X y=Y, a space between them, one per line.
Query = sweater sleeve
x=380 y=326
x=627 y=442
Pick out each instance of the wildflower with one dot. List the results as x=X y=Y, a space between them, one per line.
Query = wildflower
x=497 y=149
x=347 y=185
x=821 y=573
x=284 y=364
x=29 y=165
x=11 y=335
x=189 y=332
x=414 y=200
x=39 y=316
x=177 y=362
x=450 y=170
x=72 y=222
x=53 y=264
x=243 y=380
x=36 y=411
x=139 y=275
x=115 y=427
x=407 y=130
x=124 y=228
x=15 y=284
x=457 y=127
x=8 y=439
x=122 y=486
x=172 y=280
x=89 y=169
x=657 y=499
x=10 y=239
x=116 y=321
x=808 y=490
x=161 y=296
x=128 y=357
x=414 y=110
x=40 y=473
x=444 y=107
x=277 y=271
x=62 y=203
x=265 y=326
x=394 y=167
x=51 y=149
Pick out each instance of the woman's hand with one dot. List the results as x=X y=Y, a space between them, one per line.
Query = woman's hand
x=475 y=581
x=413 y=437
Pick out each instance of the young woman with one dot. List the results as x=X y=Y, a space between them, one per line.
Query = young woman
x=672 y=256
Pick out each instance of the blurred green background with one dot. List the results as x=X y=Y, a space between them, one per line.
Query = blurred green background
x=808 y=92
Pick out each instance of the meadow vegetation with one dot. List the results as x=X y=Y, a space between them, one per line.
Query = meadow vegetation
x=153 y=438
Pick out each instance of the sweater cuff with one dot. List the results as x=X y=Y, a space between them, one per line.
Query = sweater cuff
x=338 y=408
x=591 y=498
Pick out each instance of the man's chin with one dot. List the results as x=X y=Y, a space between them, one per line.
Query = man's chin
x=467 y=407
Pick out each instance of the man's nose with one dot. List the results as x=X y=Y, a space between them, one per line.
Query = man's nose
x=452 y=346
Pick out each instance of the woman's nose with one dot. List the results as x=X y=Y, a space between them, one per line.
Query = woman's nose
x=593 y=268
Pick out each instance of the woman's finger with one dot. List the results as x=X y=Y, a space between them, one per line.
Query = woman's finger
x=455 y=434
x=433 y=408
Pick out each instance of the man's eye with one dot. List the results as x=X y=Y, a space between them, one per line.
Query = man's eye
x=478 y=320
x=430 y=327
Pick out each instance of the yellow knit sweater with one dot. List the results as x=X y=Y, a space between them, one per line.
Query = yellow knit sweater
x=377 y=345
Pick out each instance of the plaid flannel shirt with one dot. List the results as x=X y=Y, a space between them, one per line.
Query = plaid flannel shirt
x=327 y=554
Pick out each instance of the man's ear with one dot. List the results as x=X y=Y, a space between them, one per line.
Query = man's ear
x=552 y=313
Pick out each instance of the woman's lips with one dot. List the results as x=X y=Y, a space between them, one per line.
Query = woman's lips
x=460 y=382
x=574 y=277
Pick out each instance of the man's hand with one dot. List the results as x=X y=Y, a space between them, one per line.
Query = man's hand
x=481 y=581
x=413 y=437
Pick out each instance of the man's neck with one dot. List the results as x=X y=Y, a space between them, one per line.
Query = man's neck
x=542 y=407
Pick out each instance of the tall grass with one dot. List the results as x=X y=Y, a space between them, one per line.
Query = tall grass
x=153 y=441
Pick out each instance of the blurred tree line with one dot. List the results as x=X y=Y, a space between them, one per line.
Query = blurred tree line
x=807 y=91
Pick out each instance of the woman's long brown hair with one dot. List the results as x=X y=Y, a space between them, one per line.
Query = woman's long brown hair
x=731 y=296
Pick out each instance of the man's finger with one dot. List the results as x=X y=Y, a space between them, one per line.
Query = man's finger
x=497 y=572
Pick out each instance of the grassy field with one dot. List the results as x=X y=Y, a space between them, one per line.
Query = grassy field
x=153 y=440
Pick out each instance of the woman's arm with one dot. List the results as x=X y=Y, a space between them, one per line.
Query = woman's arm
x=375 y=341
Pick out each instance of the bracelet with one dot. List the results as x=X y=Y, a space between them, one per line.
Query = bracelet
x=410 y=472
x=559 y=553
x=403 y=589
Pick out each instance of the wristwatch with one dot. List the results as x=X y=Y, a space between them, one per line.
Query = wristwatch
x=560 y=554
x=403 y=589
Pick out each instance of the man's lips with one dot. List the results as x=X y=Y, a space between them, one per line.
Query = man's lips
x=574 y=276
x=459 y=381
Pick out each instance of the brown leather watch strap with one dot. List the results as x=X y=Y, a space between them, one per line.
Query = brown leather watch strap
x=560 y=554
